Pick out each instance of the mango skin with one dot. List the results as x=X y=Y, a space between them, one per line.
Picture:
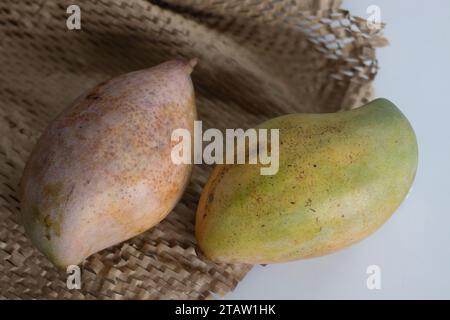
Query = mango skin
x=101 y=172
x=341 y=176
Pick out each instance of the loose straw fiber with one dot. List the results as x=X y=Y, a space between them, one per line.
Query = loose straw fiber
x=257 y=59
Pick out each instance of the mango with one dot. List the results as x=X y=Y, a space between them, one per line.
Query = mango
x=341 y=176
x=102 y=171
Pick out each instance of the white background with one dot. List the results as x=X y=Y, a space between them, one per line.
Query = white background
x=413 y=247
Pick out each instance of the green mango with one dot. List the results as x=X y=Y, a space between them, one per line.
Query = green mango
x=341 y=176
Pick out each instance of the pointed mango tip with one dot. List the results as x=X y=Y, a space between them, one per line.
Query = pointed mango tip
x=191 y=64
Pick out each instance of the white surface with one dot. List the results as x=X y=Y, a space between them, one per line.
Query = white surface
x=413 y=247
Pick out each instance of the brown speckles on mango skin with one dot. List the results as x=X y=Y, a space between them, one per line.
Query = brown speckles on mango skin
x=44 y=212
x=101 y=172
x=341 y=176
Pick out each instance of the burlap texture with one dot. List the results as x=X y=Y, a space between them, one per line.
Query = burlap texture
x=257 y=59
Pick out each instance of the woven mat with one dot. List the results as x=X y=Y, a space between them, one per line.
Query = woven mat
x=257 y=59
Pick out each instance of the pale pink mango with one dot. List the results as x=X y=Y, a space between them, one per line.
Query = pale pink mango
x=102 y=171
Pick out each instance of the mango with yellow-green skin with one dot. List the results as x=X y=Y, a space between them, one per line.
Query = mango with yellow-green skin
x=341 y=176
